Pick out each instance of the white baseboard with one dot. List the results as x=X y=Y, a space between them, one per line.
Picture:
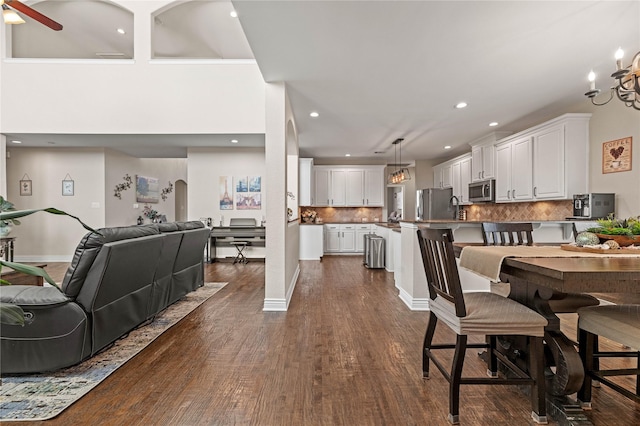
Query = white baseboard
x=281 y=305
x=415 y=304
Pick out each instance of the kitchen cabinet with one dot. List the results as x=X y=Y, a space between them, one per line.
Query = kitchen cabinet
x=355 y=188
x=306 y=182
x=482 y=162
x=461 y=177
x=546 y=162
x=361 y=231
x=322 y=188
x=455 y=174
x=339 y=238
x=514 y=170
x=442 y=177
x=311 y=242
x=349 y=186
x=483 y=156
x=374 y=186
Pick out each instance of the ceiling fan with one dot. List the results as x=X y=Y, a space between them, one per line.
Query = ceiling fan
x=11 y=17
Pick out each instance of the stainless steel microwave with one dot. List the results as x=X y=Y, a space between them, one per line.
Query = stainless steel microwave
x=482 y=191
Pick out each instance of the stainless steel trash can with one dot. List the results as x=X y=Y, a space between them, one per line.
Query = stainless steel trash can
x=373 y=251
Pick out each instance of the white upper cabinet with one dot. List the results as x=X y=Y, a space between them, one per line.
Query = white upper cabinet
x=455 y=174
x=483 y=156
x=349 y=186
x=374 y=185
x=322 y=188
x=556 y=154
x=306 y=184
x=355 y=188
x=548 y=163
x=514 y=167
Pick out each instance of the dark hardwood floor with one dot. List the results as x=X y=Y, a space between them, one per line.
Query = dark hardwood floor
x=347 y=352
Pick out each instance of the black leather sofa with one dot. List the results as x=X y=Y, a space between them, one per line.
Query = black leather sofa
x=115 y=282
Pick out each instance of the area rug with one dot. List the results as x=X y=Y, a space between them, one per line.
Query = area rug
x=43 y=396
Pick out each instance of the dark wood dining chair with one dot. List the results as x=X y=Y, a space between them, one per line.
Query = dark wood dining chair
x=521 y=233
x=476 y=313
x=619 y=323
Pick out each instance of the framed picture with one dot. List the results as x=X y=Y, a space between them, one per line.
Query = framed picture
x=67 y=187
x=147 y=189
x=25 y=187
x=616 y=156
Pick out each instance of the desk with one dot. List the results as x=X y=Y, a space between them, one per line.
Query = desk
x=6 y=248
x=19 y=278
x=223 y=236
x=533 y=280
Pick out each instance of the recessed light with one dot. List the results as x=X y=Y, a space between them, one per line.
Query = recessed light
x=16 y=141
x=447 y=147
x=121 y=31
x=314 y=114
x=347 y=155
x=234 y=140
x=493 y=124
x=461 y=105
x=233 y=14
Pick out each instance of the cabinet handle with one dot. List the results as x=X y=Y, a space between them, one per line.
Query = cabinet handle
x=483 y=174
x=363 y=201
x=513 y=192
x=535 y=191
x=508 y=194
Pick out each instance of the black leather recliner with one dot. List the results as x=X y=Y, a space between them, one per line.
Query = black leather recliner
x=115 y=282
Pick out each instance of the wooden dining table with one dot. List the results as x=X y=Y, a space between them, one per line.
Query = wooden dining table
x=533 y=281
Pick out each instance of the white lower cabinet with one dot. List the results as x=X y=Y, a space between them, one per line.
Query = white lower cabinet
x=361 y=231
x=340 y=238
x=311 y=242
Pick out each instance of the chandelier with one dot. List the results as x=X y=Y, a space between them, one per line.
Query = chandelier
x=401 y=174
x=628 y=86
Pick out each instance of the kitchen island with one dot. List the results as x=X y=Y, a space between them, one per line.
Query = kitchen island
x=409 y=273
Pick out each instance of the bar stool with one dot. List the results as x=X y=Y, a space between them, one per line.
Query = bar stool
x=620 y=323
x=240 y=247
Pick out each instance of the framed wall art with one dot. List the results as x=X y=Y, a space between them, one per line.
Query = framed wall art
x=616 y=156
x=67 y=186
x=147 y=189
x=25 y=186
x=226 y=193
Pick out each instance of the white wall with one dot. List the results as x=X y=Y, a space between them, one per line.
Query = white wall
x=43 y=236
x=121 y=212
x=610 y=122
x=207 y=165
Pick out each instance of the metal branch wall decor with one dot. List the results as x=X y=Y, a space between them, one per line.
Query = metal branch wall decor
x=123 y=186
x=166 y=191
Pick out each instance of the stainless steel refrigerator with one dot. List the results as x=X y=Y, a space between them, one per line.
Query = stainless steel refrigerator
x=434 y=203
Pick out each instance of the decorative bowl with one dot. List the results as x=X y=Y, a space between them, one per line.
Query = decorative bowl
x=623 y=240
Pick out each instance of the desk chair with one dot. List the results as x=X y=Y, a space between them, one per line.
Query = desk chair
x=515 y=234
x=620 y=323
x=240 y=247
x=476 y=313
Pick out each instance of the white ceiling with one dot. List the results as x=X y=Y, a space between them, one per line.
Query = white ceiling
x=381 y=70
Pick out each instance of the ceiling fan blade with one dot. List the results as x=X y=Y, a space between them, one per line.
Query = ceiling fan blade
x=23 y=8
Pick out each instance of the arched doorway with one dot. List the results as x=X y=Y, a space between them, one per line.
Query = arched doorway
x=181 y=201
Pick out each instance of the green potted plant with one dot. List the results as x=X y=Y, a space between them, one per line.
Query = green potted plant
x=13 y=314
x=6 y=225
x=624 y=231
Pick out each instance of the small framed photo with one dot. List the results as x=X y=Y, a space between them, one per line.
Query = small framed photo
x=67 y=187
x=25 y=188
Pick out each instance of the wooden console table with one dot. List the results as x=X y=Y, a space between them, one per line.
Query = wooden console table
x=19 y=278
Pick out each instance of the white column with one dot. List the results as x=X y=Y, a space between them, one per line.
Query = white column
x=413 y=282
x=276 y=179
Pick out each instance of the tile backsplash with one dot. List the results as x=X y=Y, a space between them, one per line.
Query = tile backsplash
x=539 y=210
x=348 y=214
